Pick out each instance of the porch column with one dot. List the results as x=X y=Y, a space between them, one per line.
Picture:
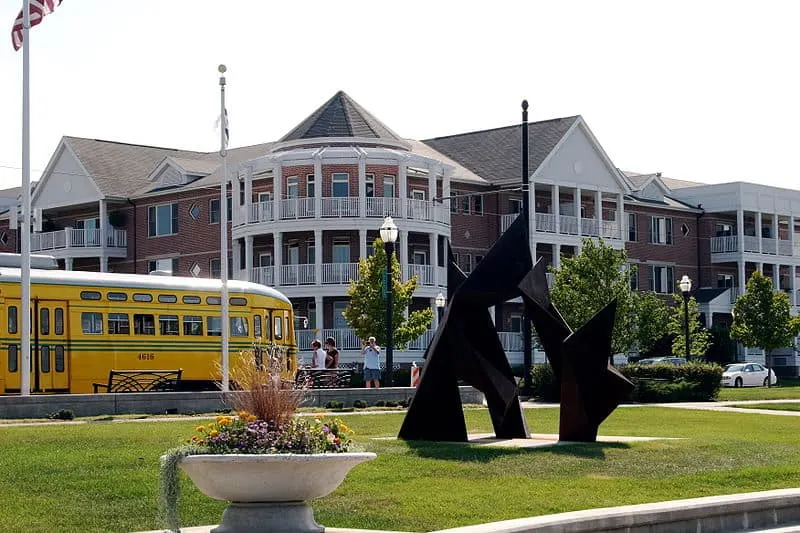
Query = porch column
x=318 y=185
x=446 y=194
x=68 y=263
x=776 y=276
x=621 y=216
x=401 y=248
x=362 y=183
x=709 y=319
x=758 y=231
x=104 y=264
x=556 y=256
x=236 y=251
x=317 y=252
x=248 y=255
x=433 y=244
x=793 y=280
x=431 y=184
x=556 y=199
x=402 y=183
x=742 y=280
x=319 y=312
x=740 y=236
x=248 y=197
x=362 y=243
x=578 y=209
x=236 y=195
x=277 y=255
x=103 y=225
x=598 y=211
x=791 y=236
x=435 y=321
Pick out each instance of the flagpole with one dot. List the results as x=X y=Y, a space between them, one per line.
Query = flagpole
x=25 y=333
x=223 y=207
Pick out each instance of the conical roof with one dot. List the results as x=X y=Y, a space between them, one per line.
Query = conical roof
x=341 y=116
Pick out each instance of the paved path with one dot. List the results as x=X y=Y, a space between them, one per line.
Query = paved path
x=725 y=406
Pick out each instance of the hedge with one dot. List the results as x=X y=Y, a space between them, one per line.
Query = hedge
x=696 y=382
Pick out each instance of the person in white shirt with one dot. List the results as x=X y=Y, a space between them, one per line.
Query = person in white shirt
x=318 y=359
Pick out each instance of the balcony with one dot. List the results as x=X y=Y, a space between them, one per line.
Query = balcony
x=339 y=273
x=336 y=274
x=71 y=242
x=425 y=274
x=730 y=244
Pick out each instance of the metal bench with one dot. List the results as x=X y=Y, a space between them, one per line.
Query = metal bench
x=141 y=381
x=324 y=378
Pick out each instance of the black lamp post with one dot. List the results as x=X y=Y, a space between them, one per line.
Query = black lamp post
x=440 y=302
x=389 y=233
x=685 y=285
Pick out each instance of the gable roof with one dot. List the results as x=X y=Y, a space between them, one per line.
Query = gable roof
x=340 y=116
x=496 y=154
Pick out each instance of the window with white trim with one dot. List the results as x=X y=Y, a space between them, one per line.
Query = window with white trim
x=369 y=179
x=340 y=183
x=310 y=183
x=167 y=264
x=660 y=230
x=162 y=220
x=388 y=186
x=477 y=205
x=661 y=279
x=632 y=235
x=724 y=280
x=292 y=190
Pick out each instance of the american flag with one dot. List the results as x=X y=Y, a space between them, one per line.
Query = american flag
x=38 y=9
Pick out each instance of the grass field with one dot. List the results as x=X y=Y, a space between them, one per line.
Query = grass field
x=103 y=476
x=771 y=406
x=786 y=389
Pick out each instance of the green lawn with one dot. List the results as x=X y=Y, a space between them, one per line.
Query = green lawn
x=103 y=477
x=786 y=389
x=772 y=406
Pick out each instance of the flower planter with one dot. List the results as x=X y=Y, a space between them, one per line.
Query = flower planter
x=269 y=492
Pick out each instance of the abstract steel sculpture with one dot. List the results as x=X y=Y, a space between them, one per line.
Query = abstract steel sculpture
x=466 y=347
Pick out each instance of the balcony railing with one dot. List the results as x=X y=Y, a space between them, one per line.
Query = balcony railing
x=724 y=244
x=336 y=274
x=382 y=207
x=340 y=207
x=263 y=275
x=507 y=220
x=784 y=247
x=339 y=273
x=297 y=274
x=569 y=224
x=546 y=222
x=297 y=208
x=589 y=227
x=730 y=243
x=78 y=238
x=768 y=246
x=424 y=273
x=750 y=243
x=261 y=212
x=609 y=229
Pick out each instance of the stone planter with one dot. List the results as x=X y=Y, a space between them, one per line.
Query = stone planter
x=269 y=492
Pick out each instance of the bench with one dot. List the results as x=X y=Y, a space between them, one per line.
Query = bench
x=324 y=378
x=141 y=381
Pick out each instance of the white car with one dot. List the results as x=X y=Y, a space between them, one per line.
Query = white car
x=747 y=375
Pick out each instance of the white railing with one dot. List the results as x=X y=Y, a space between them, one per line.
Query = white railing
x=784 y=247
x=297 y=208
x=569 y=224
x=442 y=276
x=339 y=273
x=750 y=243
x=507 y=220
x=340 y=207
x=511 y=340
x=797 y=248
x=297 y=274
x=78 y=238
x=545 y=222
x=609 y=229
x=419 y=209
x=724 y=244
x=261 y=212
x=768 y=246
x=263 y=275
x=379 y=207
x=589 y=226
x=424 y=273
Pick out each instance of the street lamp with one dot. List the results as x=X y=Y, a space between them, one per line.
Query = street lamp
x=685 y=285
x=388 y=233
x=440 y=302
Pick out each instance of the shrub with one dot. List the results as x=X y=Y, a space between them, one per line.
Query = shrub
x=404 y=403
x=333 y=404
x=543 y=384
x=391 y=404
x=61 y=414
x=360 y=404
x=380 y=403
x=695 y=381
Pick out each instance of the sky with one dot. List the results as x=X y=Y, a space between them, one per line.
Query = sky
x=702 y=91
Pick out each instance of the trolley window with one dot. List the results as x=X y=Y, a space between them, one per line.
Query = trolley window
x=191 y=299
x=119 y=324
x=44 y=321
x=142 y=297
x=278 y=328
x=144 y=325
x=214 y=326
x=44 y=359
x=60 y=359
x=238 y=326
x=236 y=300
x=257 y=325
x=168 y=325
x=90 y=295
x=58 y=314
x=167 y=298
x=213 y=300
x=12 y=358
x=12 y=319
x=192 y=325
x=117 y=296
x=92 y=323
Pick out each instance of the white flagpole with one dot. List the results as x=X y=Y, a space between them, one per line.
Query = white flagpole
x=25 y=333
x=223 y=207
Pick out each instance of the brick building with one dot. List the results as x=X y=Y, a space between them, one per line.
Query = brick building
x=305 y=208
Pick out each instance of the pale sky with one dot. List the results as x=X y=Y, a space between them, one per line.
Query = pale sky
x=698 y=90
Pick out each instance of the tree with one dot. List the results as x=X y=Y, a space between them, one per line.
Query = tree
x=652 y=316
x=366 y=312
x=762 y=317
x=588 y=282
x=699 y=336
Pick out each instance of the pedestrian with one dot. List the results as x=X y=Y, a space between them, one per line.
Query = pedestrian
x=318 y=356
x=372 y=363
x=332 y=353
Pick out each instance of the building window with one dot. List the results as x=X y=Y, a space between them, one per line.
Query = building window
x=341 y=251
x=215 y=268
x=341 y=185
x=465 y=201
x=162 y=220
x=477 y=204
x=292 y=190
x=514 y=206
x=388 y=186
x=724 y=280
x=632 y=237
x=311 y=253
x=169 y=264
x=453 y=203
x=724 y=230
x=660 y=230
x=420 y=257
x=369 y=179
x=515 y=323
x=634 y=277
x=339 y=322
x=464 y=262
x=310 y=186
x=213 y=211
x=660 y=279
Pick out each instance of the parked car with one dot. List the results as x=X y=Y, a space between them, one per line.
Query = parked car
x=747 y=375
x=677 y=361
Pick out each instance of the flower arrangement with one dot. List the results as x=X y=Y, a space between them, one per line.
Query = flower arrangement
x=263 y=424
